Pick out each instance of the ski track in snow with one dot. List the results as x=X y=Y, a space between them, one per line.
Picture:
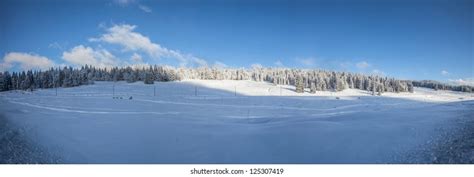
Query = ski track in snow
x=70 y=109
x=334 y=113
x=254 y=106
x=92 y=112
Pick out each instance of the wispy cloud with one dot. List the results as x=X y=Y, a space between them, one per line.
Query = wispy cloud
x=345 y=65
x=55 y=45
x=124 y=2
x=219 y=64
x=133 y=3
x=136 y=58
x=306 y=61
x=362 y=65
x=278 y=63
x=125 y=36
x=444 y=73
x=196 y=62
x=26 y=61
x=145 y=8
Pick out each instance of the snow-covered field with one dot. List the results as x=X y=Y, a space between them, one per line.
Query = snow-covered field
x=195 y=121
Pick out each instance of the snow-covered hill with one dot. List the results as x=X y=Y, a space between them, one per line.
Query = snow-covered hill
x=210 y=121
x=251 y=88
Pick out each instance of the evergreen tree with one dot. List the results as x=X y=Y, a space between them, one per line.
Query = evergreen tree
x=313 y=88
x=149 y=78
x=299 y=84
x=3 y=85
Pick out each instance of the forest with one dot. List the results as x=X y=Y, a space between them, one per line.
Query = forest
x=314 y=79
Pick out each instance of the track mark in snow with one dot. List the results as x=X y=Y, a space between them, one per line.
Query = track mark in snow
x=253 y=106
x=330 y=114
x=248 y=117
x=90 y=112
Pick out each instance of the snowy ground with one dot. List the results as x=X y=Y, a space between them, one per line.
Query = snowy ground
x=233 y=122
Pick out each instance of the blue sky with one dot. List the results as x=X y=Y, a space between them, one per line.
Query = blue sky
x=421 y=39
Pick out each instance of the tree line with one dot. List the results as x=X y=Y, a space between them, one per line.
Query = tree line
x=441 y=86
x=313 y=79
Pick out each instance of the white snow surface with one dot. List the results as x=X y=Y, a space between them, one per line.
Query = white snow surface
x=212 y=121
x=251 y=88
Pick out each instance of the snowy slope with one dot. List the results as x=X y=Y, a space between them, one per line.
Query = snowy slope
x=251 y=88
x=232 y=122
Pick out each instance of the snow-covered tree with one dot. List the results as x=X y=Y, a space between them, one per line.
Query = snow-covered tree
x=301 y=78
x=313 y=88
x=299 y=84
x=148 y=78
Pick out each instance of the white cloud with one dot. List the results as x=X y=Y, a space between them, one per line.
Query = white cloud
x=124 y=2
x=219 y=64
x=145 y=8
x=345 y=65
x=444 y=73
x=466 y=81
x=362 y=65
x=5 y=67
x=136 y=58
x=306 y=61
x=125 y=36
x=133 y=3
x=55 y=45
x=27 y=61
x=278 y=63
x=81 y=55
x=199 y=62
x=102 y=25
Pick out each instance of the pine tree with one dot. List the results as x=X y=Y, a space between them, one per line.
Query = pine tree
x=374 y=87
x=313 y=88
x=410 y=87
x=299 y=84
x=148 y=78
x=3 y=86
